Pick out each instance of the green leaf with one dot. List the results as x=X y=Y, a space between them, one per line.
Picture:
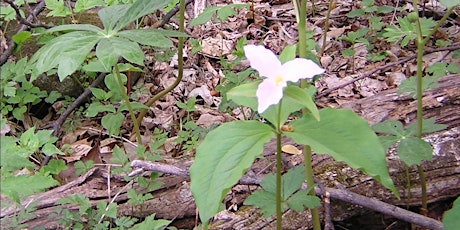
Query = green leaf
x=83 y=167
x=450 y=218
x=82 y=5
x=12 y=157
x=388 y=141
x=245 y=94
x=96 y=107
x=57 y=8
x=100 y=94
x=78 y=27
x=9 y=89
x=110 y=15
x=112 y=83
x=289 y=103
x=390 y=127
x=67 y=51
x=346 y=137
x=227 y=11
x=355 y=13
x=94 y=65
x=289 y=53
x=264 y=200
x=29 y=140
x=123 y=67
x=348 y=52
x=290 y=182
x=453 y=68
x=54 y=167
x=135 y=106
x=50 y=149
x=8 y=13
x=52 y=97
x=449 y=3
x=408 y=85
x=18 y=112
x=112 y=122
x=218 y=167
x=437 y=69
x=303 y=98
x=138 y=9
x=14 y=187
x=148 y=37
x=385 y=9
x=107 y=210
x=300 y=199
x=150 y=223
x=21 y=37
x=429 y=126
x=205 y=16
x=108 y=51
x=413 y=150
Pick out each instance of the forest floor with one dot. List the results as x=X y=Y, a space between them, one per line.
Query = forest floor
x=180 y=119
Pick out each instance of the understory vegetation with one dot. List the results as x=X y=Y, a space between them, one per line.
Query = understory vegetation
x=121 y=94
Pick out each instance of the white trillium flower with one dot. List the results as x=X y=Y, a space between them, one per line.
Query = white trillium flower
x=270 y=90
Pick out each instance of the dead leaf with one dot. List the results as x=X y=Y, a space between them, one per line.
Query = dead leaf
x=207 y=120
x=216 y=47
x=291 y=149
x=204 y=93
x=84 y=155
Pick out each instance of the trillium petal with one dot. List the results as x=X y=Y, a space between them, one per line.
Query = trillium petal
x=268 y=93
x=300 y=68
x=263 y=60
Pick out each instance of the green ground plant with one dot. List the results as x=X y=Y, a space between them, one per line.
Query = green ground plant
x=412 y=150
x=339 y=133
x=14 y=156
x=18 y=92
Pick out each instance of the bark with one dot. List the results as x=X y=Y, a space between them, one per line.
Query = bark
x=173 y=200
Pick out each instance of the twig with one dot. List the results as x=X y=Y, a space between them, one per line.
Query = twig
x=58 y=123
x=11 y=45
x=23 y=20
x=156 y=167
x=170 y=14
x=328 y=225
x=367 y=74
x=339 y=194
x=385 y=208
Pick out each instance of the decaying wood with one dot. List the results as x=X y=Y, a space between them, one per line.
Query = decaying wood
x=173 y=200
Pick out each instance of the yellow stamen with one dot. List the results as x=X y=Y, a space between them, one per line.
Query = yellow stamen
x=279 y=79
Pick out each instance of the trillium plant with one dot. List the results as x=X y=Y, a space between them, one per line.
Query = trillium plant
x=270 y=90
x=228 y=151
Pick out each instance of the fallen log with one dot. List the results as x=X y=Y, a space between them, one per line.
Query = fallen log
x=173 y=199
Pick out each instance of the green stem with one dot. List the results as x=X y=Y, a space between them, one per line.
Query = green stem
x=303 y=83
x=421 y=173
x=279 y=209
x=313 y=8
x=128 y=105
x=302 y=44
x=180 y=65
x=408 y=186
x=311 y=185
x=326 y=28
x=421 y=42
x=420 y=48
